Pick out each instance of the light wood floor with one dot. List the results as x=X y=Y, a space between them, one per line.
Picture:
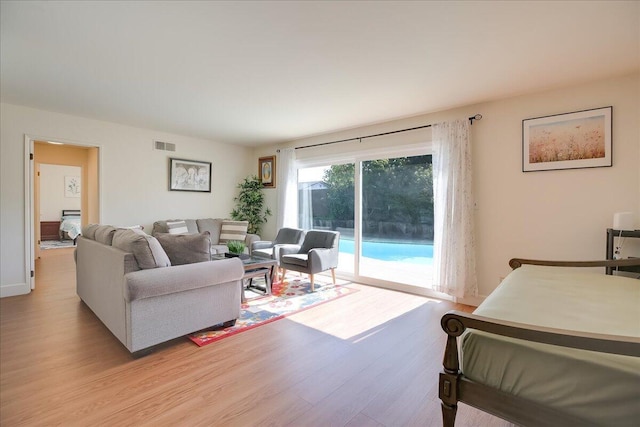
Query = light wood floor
x=369 y=359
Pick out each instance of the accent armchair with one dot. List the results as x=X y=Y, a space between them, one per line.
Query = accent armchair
x=292 y=237
x=318 y=253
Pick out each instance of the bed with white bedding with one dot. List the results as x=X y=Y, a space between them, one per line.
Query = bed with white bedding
x=70 y=224
x=550 y=346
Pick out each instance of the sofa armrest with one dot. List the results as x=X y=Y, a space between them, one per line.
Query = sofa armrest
x=321 y=259
x=261 y=244
x=249 y=240
x=168 y=280
x=286 y=249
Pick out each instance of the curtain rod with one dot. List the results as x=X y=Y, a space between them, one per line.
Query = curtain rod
x=471 y=119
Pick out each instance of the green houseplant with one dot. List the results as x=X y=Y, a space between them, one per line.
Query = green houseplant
x=250 y=204
x=235 y=246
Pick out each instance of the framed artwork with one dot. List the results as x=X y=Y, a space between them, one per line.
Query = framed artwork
x=267 y=171
x=581 y=139
x=189 y=175
x=72 y=186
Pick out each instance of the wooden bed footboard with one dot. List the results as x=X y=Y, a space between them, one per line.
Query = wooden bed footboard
x=454 y=387
x=629 y=262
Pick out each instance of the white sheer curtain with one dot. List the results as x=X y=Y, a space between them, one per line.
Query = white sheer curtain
x=287 y=179
x=454 y=243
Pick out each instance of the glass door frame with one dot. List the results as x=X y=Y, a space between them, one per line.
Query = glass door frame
x=358 y=158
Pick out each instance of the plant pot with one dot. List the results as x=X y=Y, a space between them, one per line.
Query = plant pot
x=232 y=255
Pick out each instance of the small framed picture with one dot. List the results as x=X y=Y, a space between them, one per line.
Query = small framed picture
x=189 y=175
x=267 y=171
x=581 y=139
x=72 y=186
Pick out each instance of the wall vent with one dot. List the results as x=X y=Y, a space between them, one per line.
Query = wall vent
x=164 y=146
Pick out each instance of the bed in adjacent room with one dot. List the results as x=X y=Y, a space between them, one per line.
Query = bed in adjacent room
x=552 y=345
x=70 y=224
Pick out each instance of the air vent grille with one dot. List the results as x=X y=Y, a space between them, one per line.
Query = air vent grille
x=164 y=146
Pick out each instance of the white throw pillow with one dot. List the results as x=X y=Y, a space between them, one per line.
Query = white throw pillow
x=177 y=227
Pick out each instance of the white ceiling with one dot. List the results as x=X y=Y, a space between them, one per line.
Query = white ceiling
x=255 y=73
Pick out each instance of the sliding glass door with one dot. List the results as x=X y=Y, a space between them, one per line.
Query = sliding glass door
x=397 y=220
x=325 y=202
x=383 y=209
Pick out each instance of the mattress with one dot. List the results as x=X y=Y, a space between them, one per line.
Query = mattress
x=601 y=388
x=71 y=225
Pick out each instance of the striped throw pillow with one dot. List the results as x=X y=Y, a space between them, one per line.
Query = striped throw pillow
x=233 y=230
x=177 y=227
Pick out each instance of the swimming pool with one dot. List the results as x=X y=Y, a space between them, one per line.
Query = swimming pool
x=412 y=253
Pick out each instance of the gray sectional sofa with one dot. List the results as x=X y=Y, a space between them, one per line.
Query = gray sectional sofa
x=128 y=280
x=221 y=230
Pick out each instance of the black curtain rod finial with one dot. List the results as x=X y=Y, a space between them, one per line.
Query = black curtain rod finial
x=476 y=117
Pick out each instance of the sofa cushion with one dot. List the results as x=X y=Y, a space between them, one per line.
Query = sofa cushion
x=219 y=249
x=104 y=234
x=89 y=231
x=213 y=226
x=186 y=248
x=146 y=249
x=296 y=259
x=233 y=230
x=161 y=226
x=177 y=227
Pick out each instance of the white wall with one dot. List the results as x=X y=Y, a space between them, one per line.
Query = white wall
x=134 y=177
x=553 y=214
x=558 y=215
x=52 y=196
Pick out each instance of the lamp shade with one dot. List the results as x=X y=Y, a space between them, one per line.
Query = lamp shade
x=624 y=221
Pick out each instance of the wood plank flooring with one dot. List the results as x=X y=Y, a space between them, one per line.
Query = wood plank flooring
x=369 y=359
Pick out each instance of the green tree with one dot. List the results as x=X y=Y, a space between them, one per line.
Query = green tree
x=389 y=190
x=340 y=193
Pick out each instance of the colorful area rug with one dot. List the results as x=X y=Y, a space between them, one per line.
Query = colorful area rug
x=289 y=297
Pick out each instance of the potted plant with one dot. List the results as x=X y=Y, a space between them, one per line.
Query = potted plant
x=250 y=205
x=236 y=247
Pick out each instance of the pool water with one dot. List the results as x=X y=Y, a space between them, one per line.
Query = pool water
x=412 y=253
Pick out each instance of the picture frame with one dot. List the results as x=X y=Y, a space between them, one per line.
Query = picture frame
x=72 y=186
x=267 y=171
x=577 y=140
x=189 y=175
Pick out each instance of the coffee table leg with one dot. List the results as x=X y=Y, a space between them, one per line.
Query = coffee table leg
x=242 y=297
x=268 y=279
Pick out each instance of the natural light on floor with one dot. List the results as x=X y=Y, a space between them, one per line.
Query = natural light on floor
x=344 y=322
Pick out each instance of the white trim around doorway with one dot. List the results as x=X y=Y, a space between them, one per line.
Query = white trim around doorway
x=29 y=231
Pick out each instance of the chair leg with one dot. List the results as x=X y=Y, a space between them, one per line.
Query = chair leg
x=312 y=284
x=333 y=275
x=284 y=271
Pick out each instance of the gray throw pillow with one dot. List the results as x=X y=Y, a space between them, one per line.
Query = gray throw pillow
x=186 y=248
x=89 y=231
x=104 y=234
x=211 y=225
x=145 y=249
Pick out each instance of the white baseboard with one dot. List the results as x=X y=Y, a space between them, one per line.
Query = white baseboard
x=474 y=301
x=14 y=289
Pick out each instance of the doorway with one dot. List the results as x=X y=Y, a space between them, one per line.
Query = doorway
x=78 y=167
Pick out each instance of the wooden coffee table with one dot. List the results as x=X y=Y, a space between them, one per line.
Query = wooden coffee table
x=255 y=267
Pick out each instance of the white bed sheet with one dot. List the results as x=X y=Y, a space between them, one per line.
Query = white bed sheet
x=601 y=388
x=71 y=225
